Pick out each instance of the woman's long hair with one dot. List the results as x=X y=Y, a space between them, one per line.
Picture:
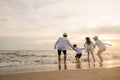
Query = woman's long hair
x=88 y=41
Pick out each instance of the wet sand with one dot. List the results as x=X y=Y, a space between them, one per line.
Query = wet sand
x=78 y=74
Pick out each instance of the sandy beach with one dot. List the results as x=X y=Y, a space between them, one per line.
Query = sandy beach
x=78 y=74
x=108 y=70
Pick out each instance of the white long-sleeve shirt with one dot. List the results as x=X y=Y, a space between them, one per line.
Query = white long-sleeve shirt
x=99 y=44
x=63 y=44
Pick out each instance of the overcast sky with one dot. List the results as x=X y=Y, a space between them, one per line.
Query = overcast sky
x=37 y=24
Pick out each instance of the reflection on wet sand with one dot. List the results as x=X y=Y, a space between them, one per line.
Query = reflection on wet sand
x=78 y=65
x=100 y=64
x=65 y=66
x=89 y=65
x=59 y=67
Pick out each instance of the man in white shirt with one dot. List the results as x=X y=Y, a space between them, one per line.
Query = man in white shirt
x=62 y=44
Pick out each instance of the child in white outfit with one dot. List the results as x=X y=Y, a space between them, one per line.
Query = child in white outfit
x=89 y=47
x=78 y=54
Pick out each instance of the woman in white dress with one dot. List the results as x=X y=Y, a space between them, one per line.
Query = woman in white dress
x=101 y=47
x=89 y=47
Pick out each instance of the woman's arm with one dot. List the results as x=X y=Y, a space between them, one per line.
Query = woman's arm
x=84 y=44
x=93 y=44
x=107 y=44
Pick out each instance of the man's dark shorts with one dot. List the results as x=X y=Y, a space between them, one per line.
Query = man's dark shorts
x=64 y=52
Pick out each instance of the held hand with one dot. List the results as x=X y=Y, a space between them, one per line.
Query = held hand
x=110 y=45
x=72 y=48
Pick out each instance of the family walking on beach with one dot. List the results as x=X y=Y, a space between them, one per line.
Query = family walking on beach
x=63 y=43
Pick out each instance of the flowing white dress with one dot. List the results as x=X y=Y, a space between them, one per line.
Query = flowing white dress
x=89 y=47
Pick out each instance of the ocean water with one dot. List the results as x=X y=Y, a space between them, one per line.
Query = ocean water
x=38 y=57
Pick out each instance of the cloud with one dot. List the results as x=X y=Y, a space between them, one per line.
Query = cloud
x=3 y=20
x=24 y=22
x=25 y=12
x=108 y=29
x=23 y=43
x=13 y=43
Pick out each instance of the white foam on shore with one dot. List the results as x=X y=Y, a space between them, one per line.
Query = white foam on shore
x=38 y=57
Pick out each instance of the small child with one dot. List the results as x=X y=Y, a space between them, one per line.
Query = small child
x=78 y=54
x=89 y=47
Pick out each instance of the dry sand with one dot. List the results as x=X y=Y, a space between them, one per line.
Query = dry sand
x=78 y=74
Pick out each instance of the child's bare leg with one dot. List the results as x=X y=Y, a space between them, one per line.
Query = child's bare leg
x=93 y=56
x=78 y=63
x=76 y=59
x=88 y=57
x=89 y=64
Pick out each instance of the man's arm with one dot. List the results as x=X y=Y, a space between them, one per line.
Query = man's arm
x=56 y=43
x=68 y=42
